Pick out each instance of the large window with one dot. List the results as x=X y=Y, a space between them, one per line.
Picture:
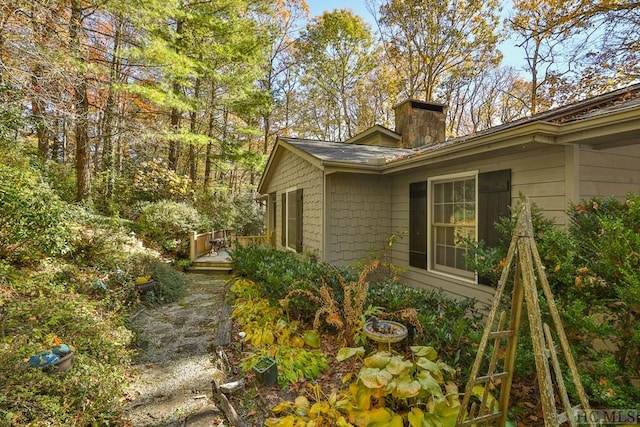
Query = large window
x=463 y=205
x=292 y=220
x=453 y=218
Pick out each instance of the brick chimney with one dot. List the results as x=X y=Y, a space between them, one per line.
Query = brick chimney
x=420 y=123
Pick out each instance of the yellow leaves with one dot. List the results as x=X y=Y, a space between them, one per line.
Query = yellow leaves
x=260 y=337
x=374 y=377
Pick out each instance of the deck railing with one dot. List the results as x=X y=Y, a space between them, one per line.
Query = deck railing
x=200 y=244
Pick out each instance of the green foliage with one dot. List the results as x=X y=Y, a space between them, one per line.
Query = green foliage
x=169 y=224
x=11 y=121
x=61 y=178
x=294 y=363
x=35 y=310
x=593 y=270
x=270 y=334
x=34 y=222
x=453 y=326
x=154 y=181
x=346 y=314
x=555 y=246
x=248 y=218
x=603 y=302
x=277 y=272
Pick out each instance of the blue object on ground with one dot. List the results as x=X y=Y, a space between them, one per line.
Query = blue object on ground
x=44 y=358
x=60 y=350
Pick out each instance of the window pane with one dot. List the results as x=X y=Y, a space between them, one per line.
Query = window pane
x=448 y=217
x=447 y=192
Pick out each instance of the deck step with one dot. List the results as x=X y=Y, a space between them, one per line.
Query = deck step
x=212 y=264
x=205 y=268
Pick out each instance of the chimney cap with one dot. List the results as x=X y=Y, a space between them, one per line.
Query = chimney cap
x=423 y=105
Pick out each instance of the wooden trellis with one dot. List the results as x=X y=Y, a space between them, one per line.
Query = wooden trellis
x=523 y=253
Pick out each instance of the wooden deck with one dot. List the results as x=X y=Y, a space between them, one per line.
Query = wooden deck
x=213 y=262
x=202 y=245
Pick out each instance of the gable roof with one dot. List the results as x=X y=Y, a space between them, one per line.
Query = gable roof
x=346 y=152
x=608 y=120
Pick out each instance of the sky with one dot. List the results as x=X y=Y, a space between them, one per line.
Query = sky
x=513 y=56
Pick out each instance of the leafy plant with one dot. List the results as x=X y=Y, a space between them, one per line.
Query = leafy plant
x=294 y=362
x=388 y=390
x=270 y=334
x=34 y=222
x=169 y=223
x=347 y=315
x=155 y=181
x=452 y=326
x=593 y=271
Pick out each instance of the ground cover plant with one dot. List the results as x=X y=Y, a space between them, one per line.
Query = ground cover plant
x=66 y=276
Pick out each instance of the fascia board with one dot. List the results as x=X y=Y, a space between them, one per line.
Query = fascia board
x=275 y=156
x=538 y=132
x=593 y=128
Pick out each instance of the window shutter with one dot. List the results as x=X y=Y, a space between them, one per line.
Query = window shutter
x=494 y=200
x=299 y=220
x=418 y=224
x=283 y=211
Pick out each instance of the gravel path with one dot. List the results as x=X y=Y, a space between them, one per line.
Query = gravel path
x=171 y=384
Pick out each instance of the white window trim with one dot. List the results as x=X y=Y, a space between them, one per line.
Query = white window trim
x=430 y=248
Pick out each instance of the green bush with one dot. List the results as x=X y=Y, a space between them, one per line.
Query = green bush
x=248 y=217
x=34 y=222
x=593 y=269
x=604 y=297
x=155 y=181
x=277 y=272
x=169 y=224
x=453 y=327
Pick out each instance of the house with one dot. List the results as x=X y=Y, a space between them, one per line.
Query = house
x=341 y=200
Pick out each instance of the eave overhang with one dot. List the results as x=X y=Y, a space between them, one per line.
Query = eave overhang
x=600 y=132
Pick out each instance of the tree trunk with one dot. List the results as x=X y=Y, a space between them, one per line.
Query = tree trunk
x=81 y=103
x=176 y=114
x=108 y=146
x=193 y=116
x=37 y=109
x=210 y=129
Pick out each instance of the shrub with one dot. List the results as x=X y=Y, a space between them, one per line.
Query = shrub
x=594 y=272
x=346 y=314
x=270 y=334
x=452 y=326
x=604 y=297
x=277 y=272
x=34 y=222
x=248 y=217
x=169 y=224
x=154 y=181
x=35 y=312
